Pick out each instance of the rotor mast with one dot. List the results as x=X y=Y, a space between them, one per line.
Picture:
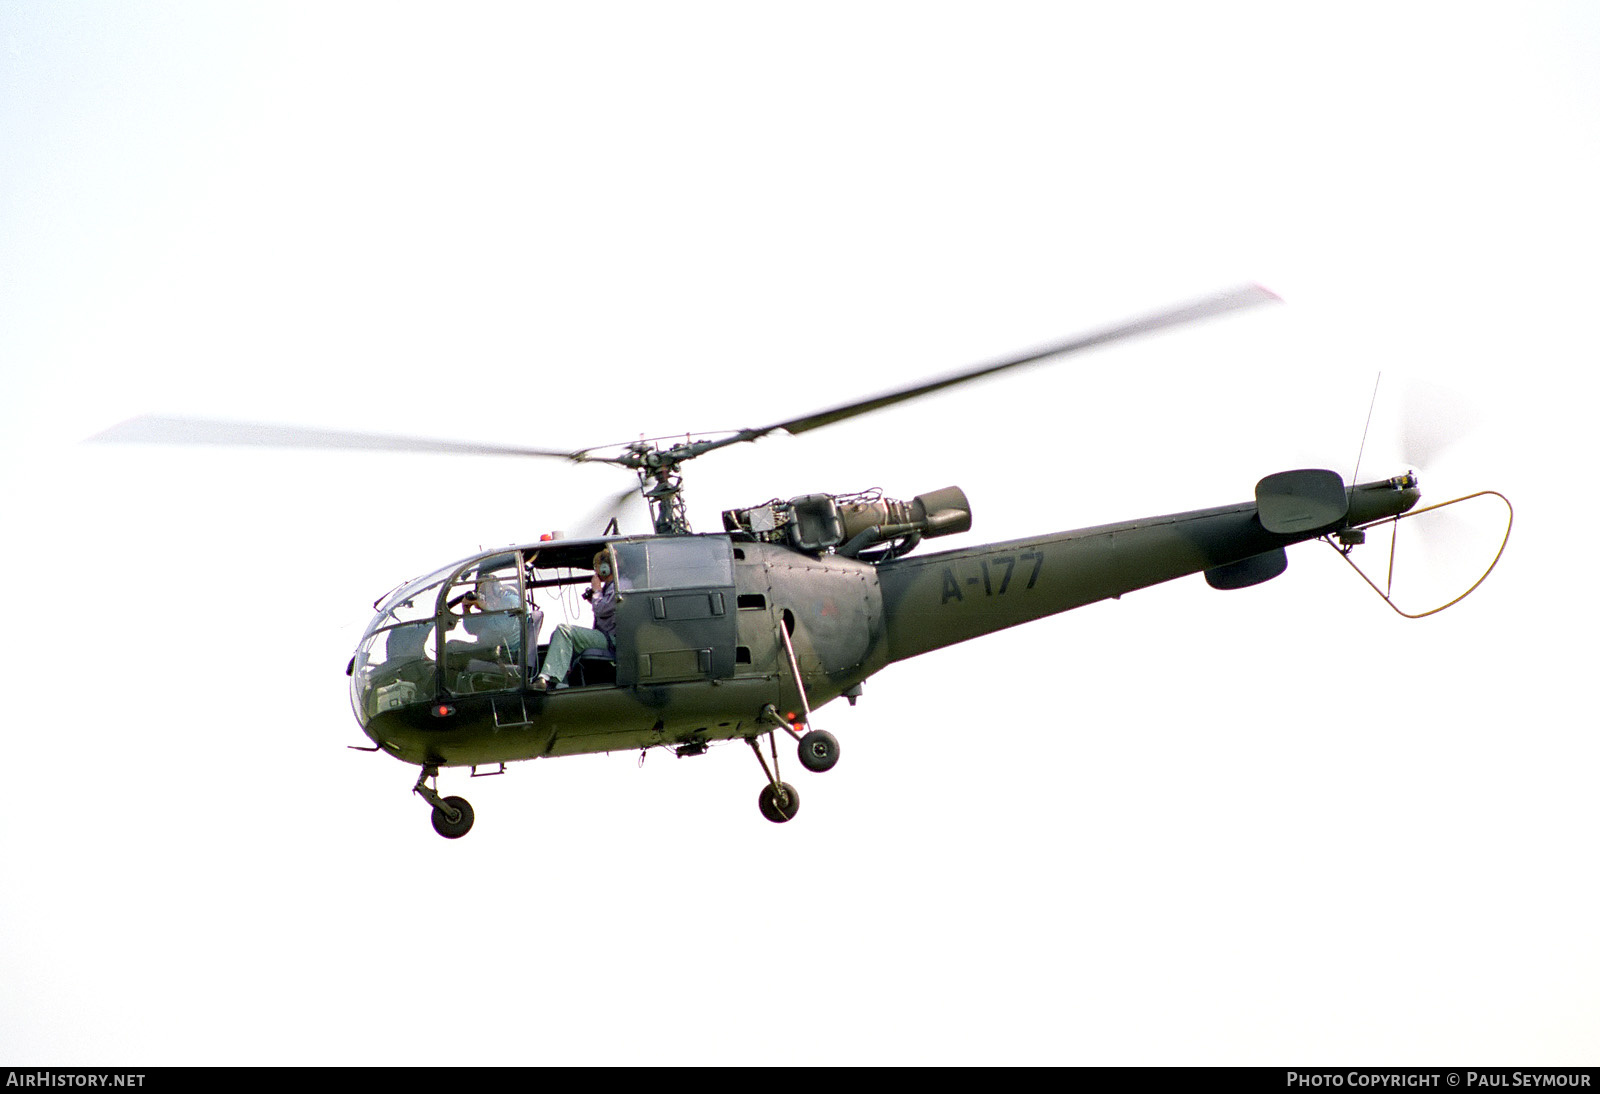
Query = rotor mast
x=662 y=486
x=661 y=479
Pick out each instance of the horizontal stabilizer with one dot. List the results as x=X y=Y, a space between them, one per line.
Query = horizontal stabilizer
x=1250 y=571
x=1292 y=502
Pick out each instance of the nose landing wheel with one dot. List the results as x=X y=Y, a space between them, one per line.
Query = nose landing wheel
x=452 y=816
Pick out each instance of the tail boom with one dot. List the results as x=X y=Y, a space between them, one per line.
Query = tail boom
x=941 y=599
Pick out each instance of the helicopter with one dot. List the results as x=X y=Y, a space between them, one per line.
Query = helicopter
x=741 y=634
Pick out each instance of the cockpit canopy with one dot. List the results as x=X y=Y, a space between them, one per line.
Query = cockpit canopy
x=481 y=613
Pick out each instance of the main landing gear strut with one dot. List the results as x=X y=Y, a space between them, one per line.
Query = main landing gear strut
x=819 y=749
x=779 y=801
x=452 y=816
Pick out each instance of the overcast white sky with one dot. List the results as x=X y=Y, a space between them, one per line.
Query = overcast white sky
x=1276 y=826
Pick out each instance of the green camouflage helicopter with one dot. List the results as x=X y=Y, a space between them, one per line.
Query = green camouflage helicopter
x=740 y=634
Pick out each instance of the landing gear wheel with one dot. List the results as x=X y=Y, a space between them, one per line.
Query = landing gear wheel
x=819 y=750
x=453 y=829
x=779 y=802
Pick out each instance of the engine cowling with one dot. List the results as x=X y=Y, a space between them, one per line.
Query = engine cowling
x=855 y=525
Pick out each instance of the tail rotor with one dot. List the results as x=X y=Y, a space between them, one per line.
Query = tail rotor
x=1436 y=554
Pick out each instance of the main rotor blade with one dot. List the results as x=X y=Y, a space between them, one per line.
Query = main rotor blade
x=154 y=429
x=170 y=430
x=1243 y=297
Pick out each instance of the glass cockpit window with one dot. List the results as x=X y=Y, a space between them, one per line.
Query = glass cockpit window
x=395 y=668
x=418 y=599
x=395 y=664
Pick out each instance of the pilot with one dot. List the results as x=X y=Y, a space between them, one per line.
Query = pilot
x=493 y=630
x=488 y=615
x=569 y=641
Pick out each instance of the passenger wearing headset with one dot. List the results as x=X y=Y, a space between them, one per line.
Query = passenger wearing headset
x=569 y=641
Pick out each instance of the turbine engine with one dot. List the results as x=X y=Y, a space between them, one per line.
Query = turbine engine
x=853 y=524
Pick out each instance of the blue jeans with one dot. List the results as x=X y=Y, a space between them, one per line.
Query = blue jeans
x=567 y=642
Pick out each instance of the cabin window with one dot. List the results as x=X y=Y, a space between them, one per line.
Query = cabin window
x=675 y=562
x=632 y=570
